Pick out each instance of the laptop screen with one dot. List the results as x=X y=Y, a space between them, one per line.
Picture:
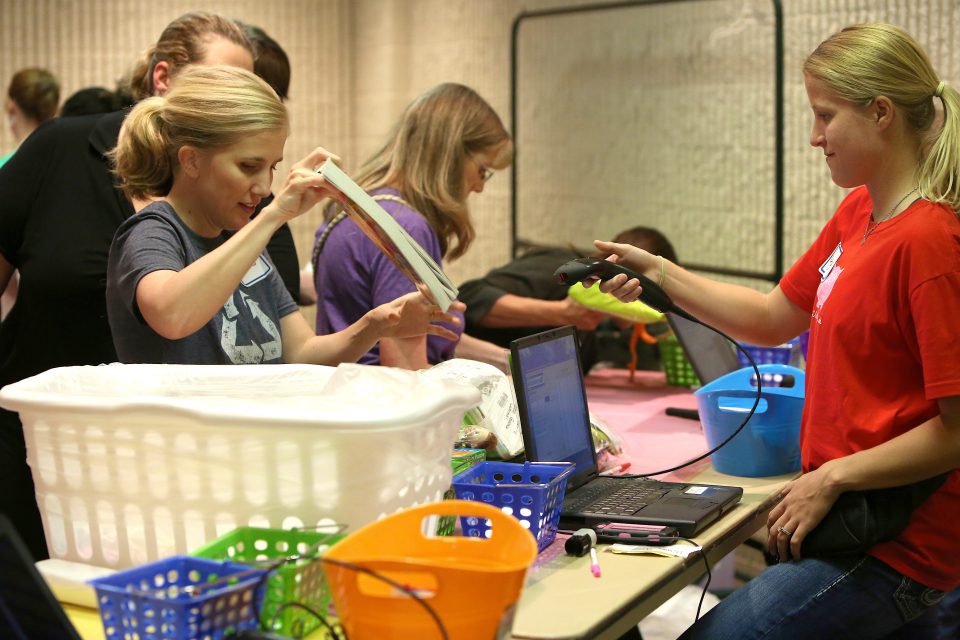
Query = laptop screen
x=552 y=400
x=710 y=354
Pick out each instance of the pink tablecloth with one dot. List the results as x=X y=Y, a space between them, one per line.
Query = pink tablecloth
x=635 y=410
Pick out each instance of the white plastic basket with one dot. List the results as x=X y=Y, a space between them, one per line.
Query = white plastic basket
x=134 y=463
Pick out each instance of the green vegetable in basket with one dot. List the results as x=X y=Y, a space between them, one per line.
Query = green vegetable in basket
x=597 y=300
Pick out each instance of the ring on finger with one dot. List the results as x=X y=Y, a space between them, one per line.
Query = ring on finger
x=784 y=531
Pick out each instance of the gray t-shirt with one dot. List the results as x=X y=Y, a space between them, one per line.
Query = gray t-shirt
x=245 y=331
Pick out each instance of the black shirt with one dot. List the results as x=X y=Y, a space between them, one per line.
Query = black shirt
x=531 y=276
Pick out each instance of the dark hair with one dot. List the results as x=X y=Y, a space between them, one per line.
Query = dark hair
x=270 y=60
x=182 y=43
x=36 y=92
x=648 y=239
x=90 y=100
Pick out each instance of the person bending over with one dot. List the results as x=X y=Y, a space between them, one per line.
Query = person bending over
x=445 y=147
x=188 y=280
x=522 y=298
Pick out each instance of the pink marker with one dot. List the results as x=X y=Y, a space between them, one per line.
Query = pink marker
x=594 y=565
x=612 y=471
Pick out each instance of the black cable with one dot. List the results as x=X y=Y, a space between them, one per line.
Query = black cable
x=756 y=403
x=706 y=564
x=699 y=547
x=659 y=540
x=393 y=583
x=299 y=605
x=273 y=566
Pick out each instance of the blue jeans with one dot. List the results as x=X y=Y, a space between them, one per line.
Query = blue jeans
x=845 y=598
x=950 y=616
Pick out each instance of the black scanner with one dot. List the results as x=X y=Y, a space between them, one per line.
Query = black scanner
x=583 y=268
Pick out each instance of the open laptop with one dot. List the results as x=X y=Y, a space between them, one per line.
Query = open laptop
x=710 y=354
x=555 y=423
x=28 y=609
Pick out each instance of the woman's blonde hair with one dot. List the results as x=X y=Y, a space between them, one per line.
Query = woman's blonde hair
x=207 y=108
x=183 y=42
x=865 y=61
x=425 y=154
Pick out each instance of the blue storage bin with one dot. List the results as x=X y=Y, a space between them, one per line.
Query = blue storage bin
x=180 y=598
x=769 y=444
x=531 y=492
x=768 y=355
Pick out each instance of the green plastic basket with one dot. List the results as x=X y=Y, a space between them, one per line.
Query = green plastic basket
x=302 y=581
x=675 y=363
x=462 y=460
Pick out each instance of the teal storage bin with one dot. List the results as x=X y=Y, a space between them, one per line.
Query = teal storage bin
x=769 y=445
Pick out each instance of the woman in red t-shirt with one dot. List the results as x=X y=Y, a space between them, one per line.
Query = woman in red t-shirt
x=880 y=292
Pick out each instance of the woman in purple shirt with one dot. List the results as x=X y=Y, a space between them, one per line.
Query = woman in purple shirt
x=445 y=147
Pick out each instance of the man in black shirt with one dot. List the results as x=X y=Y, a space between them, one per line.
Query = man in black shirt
x=522 y=297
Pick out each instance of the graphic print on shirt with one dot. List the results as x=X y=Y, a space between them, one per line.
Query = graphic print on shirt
x=823 y=292
x=249 y=352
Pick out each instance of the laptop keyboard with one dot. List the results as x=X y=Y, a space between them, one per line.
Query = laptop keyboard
x=622 y=501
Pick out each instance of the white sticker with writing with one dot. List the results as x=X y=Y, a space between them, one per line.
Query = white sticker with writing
x=830 y=262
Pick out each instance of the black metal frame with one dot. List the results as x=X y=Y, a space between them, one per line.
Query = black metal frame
x=779 y=181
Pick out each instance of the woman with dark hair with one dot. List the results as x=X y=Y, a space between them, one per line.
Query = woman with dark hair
x=32 y=99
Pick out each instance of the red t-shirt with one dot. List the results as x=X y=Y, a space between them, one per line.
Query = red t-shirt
x=884 y=346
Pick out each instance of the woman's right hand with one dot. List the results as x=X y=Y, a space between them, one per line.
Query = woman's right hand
x=620 y=286
x=413 y=315
x=304 y=187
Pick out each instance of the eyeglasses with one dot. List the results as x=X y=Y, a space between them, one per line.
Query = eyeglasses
x=485 y=172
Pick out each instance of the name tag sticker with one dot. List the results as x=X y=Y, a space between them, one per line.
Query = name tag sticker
x=256 y=273
x=696 y=490
x=830 y=262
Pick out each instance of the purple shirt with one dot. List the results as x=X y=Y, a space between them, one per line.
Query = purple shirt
x=353 y=276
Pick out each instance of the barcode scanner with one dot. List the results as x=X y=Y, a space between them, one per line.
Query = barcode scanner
x=651 y=295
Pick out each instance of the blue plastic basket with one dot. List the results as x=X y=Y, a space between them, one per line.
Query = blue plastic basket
x=532 y=492
x=767 y=355
x=769 y=444
x=179 y=598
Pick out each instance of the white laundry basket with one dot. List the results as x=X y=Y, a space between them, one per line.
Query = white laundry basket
x=133 y=463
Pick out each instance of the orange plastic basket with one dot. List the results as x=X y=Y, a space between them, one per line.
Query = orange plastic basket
x=472 y=584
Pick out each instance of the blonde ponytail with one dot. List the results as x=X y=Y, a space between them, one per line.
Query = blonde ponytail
x=939 y=175
x=141 y=159
x=864 y=61
x=208 y=108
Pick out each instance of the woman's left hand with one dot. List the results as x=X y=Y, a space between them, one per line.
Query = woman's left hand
x=413 y=315
x=806 y=501
x=304 y=187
